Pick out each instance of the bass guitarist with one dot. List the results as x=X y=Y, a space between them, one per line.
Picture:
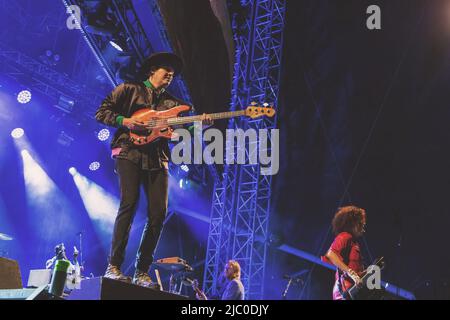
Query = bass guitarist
x=145 y=165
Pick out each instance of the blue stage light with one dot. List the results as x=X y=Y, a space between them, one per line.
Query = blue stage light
x=185 y=184
x=100 y=205
x=24 y=96
x=94 y=166
x=17 y=133
x=37 y=181
x=103 y=135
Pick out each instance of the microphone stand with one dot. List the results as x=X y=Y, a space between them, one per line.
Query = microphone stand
x=81 y=251
x=292 y=280
x=283 y=297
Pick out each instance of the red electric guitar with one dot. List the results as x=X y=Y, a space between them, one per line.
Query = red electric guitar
x=159 y=123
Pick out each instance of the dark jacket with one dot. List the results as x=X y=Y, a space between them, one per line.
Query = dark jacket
x=234 y=290
x=125 y=100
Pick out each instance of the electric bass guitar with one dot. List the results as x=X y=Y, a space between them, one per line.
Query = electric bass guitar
x=158 y=124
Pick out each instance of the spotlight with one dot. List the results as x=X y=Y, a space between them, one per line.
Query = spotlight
x=120 y=42
x=72 y=171
x=116 y=46
x=17 y=133
x=94 y=166
x=184 y=184
x=24 y=96
x=103 y=135
x=100 y=205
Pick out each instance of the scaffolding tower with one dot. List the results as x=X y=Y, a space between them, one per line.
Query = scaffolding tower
x=241 y=200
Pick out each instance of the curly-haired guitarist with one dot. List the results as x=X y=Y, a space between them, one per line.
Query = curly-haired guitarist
x=348 y=225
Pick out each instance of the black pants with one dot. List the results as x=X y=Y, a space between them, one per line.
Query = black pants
x=155 y=183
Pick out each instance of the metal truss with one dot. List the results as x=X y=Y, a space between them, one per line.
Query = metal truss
x=94 y=42
x=139 y=45
x=241 y=203
x=42 y=78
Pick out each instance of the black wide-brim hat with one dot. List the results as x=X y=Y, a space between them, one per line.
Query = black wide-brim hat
x=162 y=59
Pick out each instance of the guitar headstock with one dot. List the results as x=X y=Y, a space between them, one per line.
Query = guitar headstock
x=380 y=263
x=255 y=111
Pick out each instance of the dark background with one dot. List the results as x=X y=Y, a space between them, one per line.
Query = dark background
x=363 y=120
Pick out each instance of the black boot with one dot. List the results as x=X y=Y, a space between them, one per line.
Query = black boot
x=114 y=273
x=143 y=279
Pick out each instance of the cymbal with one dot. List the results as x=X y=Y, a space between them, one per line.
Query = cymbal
x=4 y=236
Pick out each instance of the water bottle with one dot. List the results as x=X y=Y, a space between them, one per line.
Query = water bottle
x=59 y=277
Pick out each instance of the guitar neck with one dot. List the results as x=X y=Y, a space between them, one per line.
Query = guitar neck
x=199 y=291
x=214 y=116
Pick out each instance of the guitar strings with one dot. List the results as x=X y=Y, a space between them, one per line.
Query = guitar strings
x=181 y=120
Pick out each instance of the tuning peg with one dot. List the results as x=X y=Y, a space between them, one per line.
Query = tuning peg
x=253 y=103
x=265 y=104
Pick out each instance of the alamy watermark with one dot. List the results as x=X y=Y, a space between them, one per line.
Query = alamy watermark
x=373 y=22
x=374 y=279
x=73 y=22
x=241 y=147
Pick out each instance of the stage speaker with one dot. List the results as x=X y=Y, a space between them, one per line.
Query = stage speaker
x=10 y=277
x=106 y=289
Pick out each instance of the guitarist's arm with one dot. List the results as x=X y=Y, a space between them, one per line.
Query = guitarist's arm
x=337 y=261
x=111 y=111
